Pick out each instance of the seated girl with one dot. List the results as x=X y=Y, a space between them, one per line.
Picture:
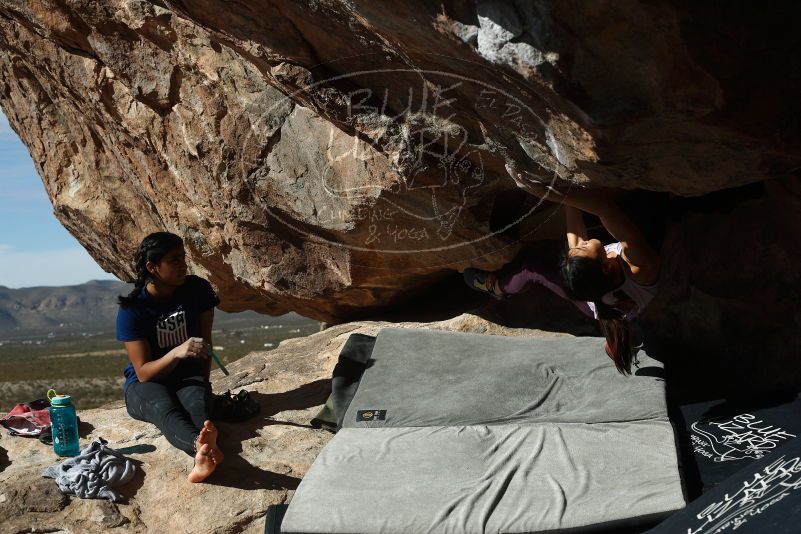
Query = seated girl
x=165 y=323
x=611 y=283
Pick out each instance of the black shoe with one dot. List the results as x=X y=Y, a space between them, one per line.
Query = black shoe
x=483 y=281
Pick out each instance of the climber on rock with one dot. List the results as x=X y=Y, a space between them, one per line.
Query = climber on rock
x=611 y=283
x=165 y=323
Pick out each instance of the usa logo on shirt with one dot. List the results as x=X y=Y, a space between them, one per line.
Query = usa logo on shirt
x=171 y=330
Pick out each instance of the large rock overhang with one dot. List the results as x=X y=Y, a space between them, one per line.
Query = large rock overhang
x=336 y=158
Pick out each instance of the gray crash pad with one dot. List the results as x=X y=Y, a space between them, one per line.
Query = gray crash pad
x=490 y=434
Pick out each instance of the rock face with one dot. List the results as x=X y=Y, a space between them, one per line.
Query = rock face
x=304 y=149
x=728 y=305
x=265 y=457
x=335 y=158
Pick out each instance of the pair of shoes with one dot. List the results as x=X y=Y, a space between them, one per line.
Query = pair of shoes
x=483 y=281
x=234 y=408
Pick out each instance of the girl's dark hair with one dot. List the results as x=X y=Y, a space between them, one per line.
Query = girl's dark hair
x=618 y=337
x=585 y=279
x=152 y=249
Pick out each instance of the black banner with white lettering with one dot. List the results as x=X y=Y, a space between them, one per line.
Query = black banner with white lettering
x=721 y=437
x=763 y=497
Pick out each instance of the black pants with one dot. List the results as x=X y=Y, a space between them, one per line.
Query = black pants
x=178 y=406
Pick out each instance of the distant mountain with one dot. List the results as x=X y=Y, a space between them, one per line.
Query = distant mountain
x=89 y=306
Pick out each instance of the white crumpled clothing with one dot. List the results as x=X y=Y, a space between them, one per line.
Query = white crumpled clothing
x=92 y=473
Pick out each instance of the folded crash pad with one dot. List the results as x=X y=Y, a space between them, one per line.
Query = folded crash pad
x=468 y=433
x=429 y=377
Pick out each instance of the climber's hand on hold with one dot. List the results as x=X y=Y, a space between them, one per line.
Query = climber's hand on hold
x=526 y=182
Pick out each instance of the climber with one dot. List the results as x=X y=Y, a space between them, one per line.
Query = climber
x=611 y=283
x=165 y=324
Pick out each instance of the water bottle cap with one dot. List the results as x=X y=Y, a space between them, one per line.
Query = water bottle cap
x=58 y=400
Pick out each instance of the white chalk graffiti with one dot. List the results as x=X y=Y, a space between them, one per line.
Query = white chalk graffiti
x=419 y=139
x=429 y=136
x=743 y=436
x=763 y=490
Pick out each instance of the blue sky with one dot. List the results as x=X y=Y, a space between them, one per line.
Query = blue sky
x=35 y=250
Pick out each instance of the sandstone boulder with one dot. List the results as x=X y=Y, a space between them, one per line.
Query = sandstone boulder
x=334 y=157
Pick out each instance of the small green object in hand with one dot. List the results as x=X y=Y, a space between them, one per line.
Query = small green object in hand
x=218 y=362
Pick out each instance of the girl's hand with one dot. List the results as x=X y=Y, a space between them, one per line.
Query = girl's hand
x=533 y=186
x=590 y=200
x=194 y=347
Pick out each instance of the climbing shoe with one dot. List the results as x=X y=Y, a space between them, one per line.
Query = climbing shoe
x=484 y=281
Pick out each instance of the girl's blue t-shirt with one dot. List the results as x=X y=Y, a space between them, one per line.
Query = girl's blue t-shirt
x=166 y=325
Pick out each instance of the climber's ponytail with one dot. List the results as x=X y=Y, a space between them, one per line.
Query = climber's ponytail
x=585 y=279
x=618 y=336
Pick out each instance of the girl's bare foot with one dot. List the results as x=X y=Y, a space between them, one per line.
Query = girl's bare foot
x=205 y=464
x=208 y=456
x=208 y=434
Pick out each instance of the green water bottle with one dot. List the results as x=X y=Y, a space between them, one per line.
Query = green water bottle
x=64 y=422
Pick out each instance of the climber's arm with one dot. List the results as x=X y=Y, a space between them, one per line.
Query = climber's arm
x=589 y=200
x=576 y=230
x=636 y=250
x=600 y=202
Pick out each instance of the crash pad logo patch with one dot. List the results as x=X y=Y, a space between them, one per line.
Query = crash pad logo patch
x=371 y=415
